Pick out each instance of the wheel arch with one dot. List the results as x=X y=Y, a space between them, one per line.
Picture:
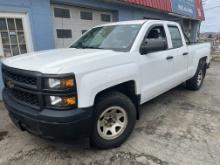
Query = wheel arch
x=199 y=61
x=128 y=88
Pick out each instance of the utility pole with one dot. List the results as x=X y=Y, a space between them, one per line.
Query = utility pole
x=219 y=35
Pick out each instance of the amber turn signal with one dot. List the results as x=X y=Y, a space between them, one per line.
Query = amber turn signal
x=69 y=83
x=70 y=101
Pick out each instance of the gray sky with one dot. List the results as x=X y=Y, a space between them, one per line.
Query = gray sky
x=212 y=15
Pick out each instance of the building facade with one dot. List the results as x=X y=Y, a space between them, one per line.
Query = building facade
x=34 y=25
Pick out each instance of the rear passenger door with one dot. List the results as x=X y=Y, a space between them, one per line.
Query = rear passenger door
x=179 y=52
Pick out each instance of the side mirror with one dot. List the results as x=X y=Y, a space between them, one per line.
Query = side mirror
x=153 y=45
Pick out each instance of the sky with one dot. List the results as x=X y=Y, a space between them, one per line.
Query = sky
x=212 y=16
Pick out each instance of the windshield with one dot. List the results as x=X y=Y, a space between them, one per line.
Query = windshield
x=117 y=37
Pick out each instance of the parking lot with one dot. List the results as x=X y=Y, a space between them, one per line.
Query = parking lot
x=178 y=127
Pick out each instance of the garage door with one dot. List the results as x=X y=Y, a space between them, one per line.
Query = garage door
x=71 y=22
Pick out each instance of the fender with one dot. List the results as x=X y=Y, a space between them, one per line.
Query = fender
x=197 y=54
x=90 y=84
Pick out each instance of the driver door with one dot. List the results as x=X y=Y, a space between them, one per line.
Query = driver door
x=156 y=66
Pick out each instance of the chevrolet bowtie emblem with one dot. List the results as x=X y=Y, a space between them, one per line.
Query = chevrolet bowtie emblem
x=10 y=84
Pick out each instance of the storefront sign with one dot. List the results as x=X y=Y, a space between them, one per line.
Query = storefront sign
x=184 y=7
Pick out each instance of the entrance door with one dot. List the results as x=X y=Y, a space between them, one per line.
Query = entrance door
x=14 y=35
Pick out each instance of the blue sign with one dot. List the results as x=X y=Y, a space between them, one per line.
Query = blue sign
x=184 y=7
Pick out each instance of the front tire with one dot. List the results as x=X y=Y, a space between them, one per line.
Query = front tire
x=115 y=119
x=196 y=82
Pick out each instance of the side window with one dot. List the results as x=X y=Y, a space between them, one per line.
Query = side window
x=175 y=37
x=155 y=40
x=157 y=32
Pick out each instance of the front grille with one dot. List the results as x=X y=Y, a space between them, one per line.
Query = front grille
x=25 y=87
x=18 y=83
x=25 y=97
x=28 y=80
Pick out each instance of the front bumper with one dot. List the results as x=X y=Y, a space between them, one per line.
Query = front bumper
x=50 y=124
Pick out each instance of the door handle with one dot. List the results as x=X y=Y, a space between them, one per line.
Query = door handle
x=185 y=54
x=169 y=57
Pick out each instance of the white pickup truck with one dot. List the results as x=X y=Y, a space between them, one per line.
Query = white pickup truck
x=95 y=87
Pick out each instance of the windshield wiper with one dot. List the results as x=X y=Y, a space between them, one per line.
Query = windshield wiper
x=90 y=47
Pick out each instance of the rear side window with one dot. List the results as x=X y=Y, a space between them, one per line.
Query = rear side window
x=175 y=37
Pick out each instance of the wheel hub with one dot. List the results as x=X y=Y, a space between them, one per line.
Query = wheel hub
x=112 y=123
x=200 y=78
x=109 y=120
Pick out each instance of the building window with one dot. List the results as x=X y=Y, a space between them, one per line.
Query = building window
x=84 y=31
x=86 y=15
x=105 y=18
x=64 y=33
x=175 y=37
x=12 y=37
x=61 y=13
x=3 y=25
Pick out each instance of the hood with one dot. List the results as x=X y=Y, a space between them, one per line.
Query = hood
x=62 y=60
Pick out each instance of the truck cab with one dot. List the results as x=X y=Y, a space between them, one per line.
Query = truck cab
x=95 y=87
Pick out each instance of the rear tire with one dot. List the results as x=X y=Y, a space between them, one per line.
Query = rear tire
x=115 y=119
x=196 y=82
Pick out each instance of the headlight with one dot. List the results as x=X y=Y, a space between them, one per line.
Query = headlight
x=60 y=91
x=54 y=83
x=59 y=101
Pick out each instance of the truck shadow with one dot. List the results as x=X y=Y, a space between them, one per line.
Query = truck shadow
x=74 y=145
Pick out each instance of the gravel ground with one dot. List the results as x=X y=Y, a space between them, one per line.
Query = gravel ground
x=179 y=127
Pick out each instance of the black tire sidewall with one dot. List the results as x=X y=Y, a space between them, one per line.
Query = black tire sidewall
x=113 y=99
x=200 y=68
x=192 y=83
x=203 y=77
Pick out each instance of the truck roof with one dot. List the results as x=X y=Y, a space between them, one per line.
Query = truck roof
x=127 y=22
x=133 y=22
